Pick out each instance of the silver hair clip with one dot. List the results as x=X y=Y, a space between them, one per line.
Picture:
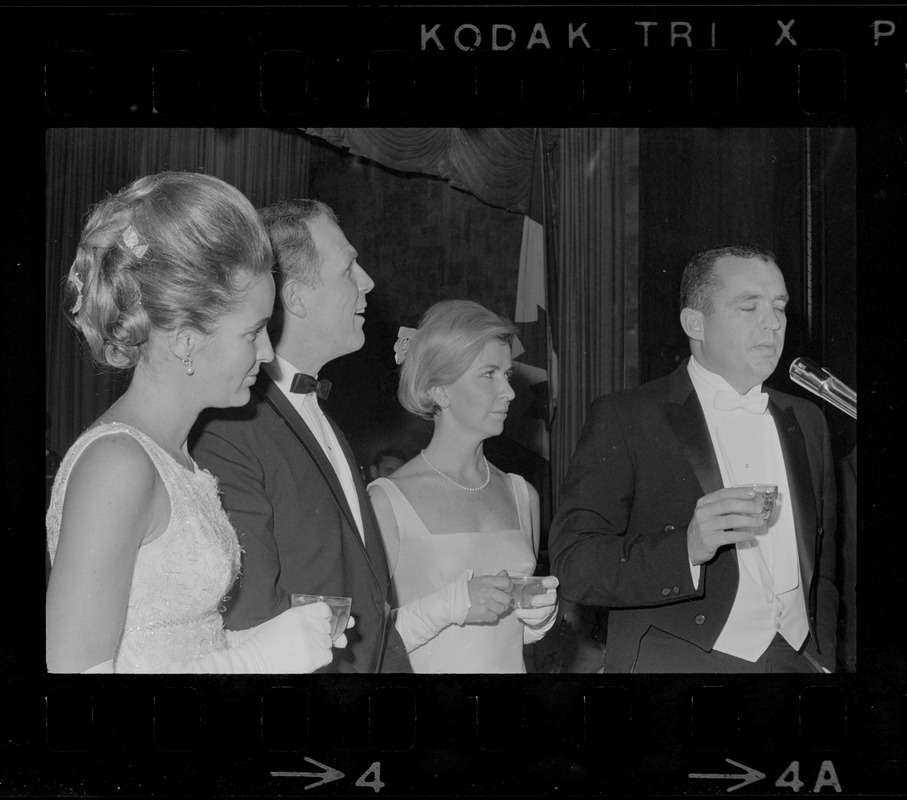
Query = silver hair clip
x=76 y=281
x=404 y=335
x=131 y=240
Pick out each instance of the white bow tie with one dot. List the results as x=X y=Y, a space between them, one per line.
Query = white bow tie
x=728 y=401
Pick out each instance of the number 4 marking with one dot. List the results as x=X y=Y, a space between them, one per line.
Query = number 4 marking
x=791 y=777
x=375 y=781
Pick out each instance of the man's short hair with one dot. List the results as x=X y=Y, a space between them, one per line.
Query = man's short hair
x=698 y=284
x=295 y=253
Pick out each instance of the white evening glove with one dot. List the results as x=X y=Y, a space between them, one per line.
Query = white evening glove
x=236 y=638
x=425 y=618
x=296 y=641
x=539 y=619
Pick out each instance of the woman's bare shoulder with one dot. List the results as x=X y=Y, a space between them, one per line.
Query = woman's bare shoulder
x=413 y=470
x=114 y=469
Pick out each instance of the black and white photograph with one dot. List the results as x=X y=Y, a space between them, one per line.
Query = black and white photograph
x=499 y=440
x=639 y=218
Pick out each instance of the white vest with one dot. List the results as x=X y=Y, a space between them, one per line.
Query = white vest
x=770 y=598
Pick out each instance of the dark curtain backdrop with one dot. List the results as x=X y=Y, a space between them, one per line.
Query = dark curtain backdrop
x=497 y=165
x=597 y=239
x=82 y=167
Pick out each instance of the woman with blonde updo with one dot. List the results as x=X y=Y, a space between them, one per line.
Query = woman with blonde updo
x=455 y=527
x=172 y=282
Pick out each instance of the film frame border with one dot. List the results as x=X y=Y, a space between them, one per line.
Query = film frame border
x=878 y=108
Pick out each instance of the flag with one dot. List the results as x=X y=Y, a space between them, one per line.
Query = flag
x=535 y=360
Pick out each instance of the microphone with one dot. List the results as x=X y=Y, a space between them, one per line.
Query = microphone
x=822 y=383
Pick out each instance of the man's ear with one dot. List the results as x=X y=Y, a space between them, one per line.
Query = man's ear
x=294 y=297
x=691 y=322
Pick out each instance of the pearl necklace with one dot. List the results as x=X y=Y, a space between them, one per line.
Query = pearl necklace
x=460 y=486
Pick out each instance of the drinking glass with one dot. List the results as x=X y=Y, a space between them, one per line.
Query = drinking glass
x=524 y=588
x=340 y=609
x=768 y=493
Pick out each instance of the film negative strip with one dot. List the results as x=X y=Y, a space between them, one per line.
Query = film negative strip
x=556 y=732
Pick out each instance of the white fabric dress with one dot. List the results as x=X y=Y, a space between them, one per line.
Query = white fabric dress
x=430 y=577
x=180 y=578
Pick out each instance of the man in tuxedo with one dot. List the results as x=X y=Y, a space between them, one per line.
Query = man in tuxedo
x=648 y=525
x=287 y=474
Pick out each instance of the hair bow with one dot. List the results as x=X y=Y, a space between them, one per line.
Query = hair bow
x=404 y=335
x=131 y=240
x=76 y=281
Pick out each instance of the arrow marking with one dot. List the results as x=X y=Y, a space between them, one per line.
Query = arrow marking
x=329 y=774
x=749 y=775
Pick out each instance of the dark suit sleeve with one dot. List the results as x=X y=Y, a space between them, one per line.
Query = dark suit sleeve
x=607 y=547
x=255 y=597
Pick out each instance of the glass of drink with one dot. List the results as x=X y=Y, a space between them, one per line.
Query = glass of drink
x=340 y=609
x=524 y=588
x=768 y=492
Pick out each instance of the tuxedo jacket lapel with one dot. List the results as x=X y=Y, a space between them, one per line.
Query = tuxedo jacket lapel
x=685 y=416
x=374 y=546
x=281 y=406
x=684 y=413
x=796 y=462
x=369 y=529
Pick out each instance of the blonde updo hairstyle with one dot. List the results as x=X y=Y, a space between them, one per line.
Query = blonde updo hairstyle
x=170 y=251
x=451 y=335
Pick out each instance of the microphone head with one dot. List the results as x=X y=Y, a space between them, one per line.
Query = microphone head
x=808 y=374
x=823 y=384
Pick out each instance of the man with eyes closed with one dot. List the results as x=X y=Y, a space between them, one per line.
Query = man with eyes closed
x=649 y=525
x=454 y=525
x=287 y=475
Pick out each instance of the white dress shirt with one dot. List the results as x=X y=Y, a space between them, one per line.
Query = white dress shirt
x=769 y=597
x=282 y=372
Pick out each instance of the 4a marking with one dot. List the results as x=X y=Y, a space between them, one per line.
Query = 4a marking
x=789 y=779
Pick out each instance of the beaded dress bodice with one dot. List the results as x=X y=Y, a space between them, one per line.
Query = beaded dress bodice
x=181 y=577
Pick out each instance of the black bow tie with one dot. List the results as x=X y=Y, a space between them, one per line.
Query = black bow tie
x=303 y=384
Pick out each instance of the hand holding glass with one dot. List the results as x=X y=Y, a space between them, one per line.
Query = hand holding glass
x=769 y=494
x=524 y=588
x=340 y=610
